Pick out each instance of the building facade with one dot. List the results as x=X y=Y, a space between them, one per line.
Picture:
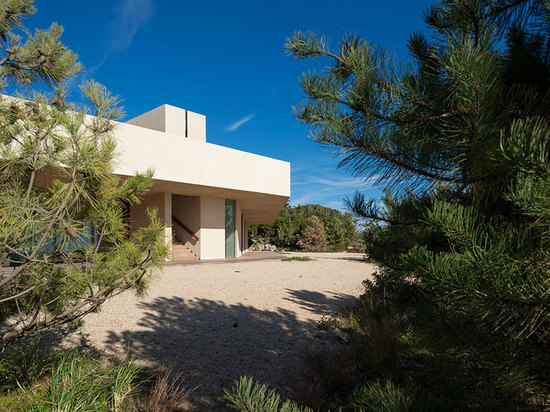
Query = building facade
x=206 y=194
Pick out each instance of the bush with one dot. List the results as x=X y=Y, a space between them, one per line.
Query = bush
x=297 y=258
x=288 y=227
x=167 y=393
x=249 y=396
x=377 y=397
x=83 y=383
x=22 y=365
x=313 y=236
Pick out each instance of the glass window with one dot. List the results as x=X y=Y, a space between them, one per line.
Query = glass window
x=229 y=228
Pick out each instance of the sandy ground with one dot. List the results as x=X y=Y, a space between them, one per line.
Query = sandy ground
x=216 y=322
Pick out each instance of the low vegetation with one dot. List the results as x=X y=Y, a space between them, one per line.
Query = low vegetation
x=62 y=225
x=458 y=315
x=309 y=227
x=31 y=380
x=297 y=258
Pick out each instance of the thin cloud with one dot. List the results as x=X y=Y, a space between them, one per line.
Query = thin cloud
x=234 y=126
x=131 y=16
x=326 y=187
x=338 y=182
x=321 y=195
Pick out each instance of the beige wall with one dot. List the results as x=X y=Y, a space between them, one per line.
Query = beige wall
x=212 y=233
x=187 y=210
x=196 y=126
x=173 y=120
x=163 y=203
x=177 y=159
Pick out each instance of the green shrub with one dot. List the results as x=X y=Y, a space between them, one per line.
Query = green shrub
x=313 y=236
x=82 y=383
x=378 y=397
x=22 y=365
x=329 y=323
x=288 y=227
x=297 y=258
x=249 y=396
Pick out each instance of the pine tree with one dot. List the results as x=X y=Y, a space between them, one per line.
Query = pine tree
x=313 y=235
x=462 y=136
x=57 y=190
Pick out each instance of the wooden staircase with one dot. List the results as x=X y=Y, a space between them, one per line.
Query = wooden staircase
x=181 y=253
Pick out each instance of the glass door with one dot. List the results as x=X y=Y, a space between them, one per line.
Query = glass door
x=229 y=228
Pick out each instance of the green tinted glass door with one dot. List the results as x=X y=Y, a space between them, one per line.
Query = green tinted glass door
x=229 y=228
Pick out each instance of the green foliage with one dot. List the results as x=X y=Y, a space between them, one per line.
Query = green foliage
x=62 y=224
x=22 y=365
x=435 y=359
x=34 y=379
x=494 y=269
x=82 y=383
x=249 y=396
x=287 y=229
x=461 y=136
x=378 y=397
x=313 y=235
x=297 y=258
x=69 y=382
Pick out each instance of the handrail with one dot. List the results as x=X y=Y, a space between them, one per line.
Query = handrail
x=193 y=236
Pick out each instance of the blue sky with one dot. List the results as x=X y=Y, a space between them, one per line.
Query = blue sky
x=226 y=59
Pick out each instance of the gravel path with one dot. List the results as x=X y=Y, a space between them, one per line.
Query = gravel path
x=216 y=322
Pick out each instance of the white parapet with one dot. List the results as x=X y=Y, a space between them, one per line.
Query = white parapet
x=173 y=120
x=172 y=142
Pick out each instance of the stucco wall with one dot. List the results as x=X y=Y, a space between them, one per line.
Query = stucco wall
x=179 y=159
x=212 y=233
x=187 y=210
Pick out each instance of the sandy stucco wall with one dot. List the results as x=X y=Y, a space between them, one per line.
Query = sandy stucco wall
x=212 y=233
x=188 y=210
x=178 y=159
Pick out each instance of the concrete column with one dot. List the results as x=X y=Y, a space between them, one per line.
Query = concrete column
x=238 y=229
x=245 y=234
x=167 y=217
x=212 y=232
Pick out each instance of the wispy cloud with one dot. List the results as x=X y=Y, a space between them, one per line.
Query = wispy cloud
x=234 y=126
x=338 y=182
x=327 y=188
x=131 y=15
x=319 y=194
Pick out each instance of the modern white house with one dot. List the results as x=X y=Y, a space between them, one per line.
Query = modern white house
x=206 y=194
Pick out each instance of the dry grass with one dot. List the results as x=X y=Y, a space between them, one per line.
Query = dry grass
x=169 y=392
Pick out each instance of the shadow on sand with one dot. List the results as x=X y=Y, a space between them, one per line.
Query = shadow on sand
x=328 y=304
x=217 y=343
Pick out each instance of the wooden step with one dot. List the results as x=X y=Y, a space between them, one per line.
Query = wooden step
x=181 y=253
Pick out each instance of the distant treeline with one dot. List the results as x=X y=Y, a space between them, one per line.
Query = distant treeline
x=311 y=227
